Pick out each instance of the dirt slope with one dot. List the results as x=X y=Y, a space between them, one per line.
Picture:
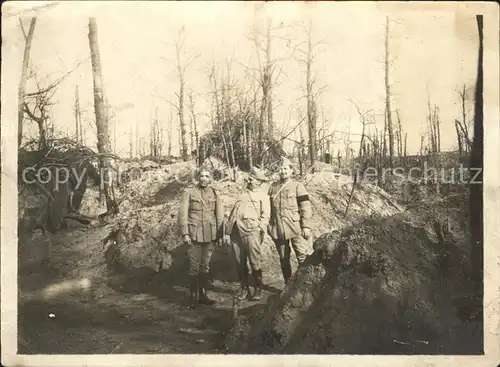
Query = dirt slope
x=127 y=295
x=389 y=285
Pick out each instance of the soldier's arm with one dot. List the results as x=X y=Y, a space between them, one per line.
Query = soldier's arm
x=219 y=214
x=183 y=213
x=270 y=194
x=305 y=208
x=265 y=211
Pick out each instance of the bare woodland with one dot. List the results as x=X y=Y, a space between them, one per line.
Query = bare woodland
x=131 y=227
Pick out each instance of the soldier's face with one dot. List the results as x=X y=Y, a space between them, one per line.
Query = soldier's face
x=285 y=172
x=205 y=178
x=252 y=183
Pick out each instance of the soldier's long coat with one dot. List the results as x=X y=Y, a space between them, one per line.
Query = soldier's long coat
x=290 y=210
x=250 y=213
x=201 y=214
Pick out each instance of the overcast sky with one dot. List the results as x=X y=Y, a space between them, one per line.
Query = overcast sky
x=431 y=52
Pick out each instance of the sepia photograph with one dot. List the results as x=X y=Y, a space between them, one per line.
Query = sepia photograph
x=286 y=179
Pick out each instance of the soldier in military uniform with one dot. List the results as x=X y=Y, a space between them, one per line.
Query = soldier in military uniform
x=246 y=227
x=200 y=224
x=290 y=221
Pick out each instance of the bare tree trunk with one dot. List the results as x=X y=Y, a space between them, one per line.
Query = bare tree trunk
x=459 y=138
x=180 y=70
x=137 y=138
x=226 y=151
x=405 y=153
x=249 y=147
x=476 y=189
x=77 y=107
x=464 y=113
x=361 y=145
x=269 y=71
x=195 y=139
x=251 y=132
x=388 y=95
x=243 y=115
x=229 y=128
x=130 y=152
x=301 y=150
x=170 y=132
x=101 y=117
x=24 y=77
x=151 y=135
x=155 y=139
x=244 y=129
x=191 y=134
x=78 y=118
x=438 y=130
x=114 y=135
x=400 y=135
x=431 y=125
x=311 y=103
x=42 y=131
x=184 y=149
x=347 y=143
x=218 y=116
x=464 y=129
x=323 y=134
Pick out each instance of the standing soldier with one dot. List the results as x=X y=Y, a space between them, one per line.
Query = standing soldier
x=200 y=224
x=290 y=218
x=246 y=227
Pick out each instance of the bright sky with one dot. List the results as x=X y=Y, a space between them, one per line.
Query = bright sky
x=431 y=50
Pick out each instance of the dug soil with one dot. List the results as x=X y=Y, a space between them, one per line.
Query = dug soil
x=120 y=286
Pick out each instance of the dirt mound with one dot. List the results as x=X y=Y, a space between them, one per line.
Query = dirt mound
x=386 y=286
x=144 y=234
x=143 y=238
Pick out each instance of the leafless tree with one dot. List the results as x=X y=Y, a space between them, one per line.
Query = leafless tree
x=37 y=108
x=306 y=58
x=28 y=38
x=401 y=138
x=363 y=118
x=156 y=138
x=170 y=132
x=422 y=140
x=462 y=127
x=267 y=75
x=263 y=43
x=130 y=143
x=78 y=118
x=101 y=116
x=182 y=66
x=195 y=138
x=388 y=95
x=476 y=189
x=434 y=127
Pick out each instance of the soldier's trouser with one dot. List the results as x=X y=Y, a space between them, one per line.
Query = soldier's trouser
x=199 y=255
x=247 y=247
x=283 y=246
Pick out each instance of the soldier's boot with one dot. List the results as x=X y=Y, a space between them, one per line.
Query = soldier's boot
x=257 y=276
x=287 y=272
x=244 y=288
x=193 y=292
x=203 y=298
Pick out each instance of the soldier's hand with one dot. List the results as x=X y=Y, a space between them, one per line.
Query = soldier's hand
x=186 y=239
x=306 y=233
x=220 y=242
